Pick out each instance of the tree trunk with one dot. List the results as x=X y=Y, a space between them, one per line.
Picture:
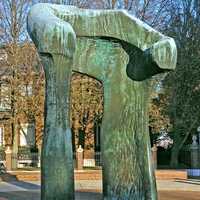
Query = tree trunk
x=57 y=161
x=15 y=146
x=81 y=138
x=175 y=150
x=174 y=158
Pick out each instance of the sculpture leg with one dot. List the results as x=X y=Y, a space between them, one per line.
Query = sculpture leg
x=57 y=158
x=127 y=171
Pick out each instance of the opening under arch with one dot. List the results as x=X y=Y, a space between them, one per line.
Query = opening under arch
x=86 y=116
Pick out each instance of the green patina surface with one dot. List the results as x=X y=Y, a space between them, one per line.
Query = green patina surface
x=60 y=24
x=127 y=173
x=57 y=157
x=121 y=52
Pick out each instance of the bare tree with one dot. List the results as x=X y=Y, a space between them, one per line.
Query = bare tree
x=21 y=58
x=153 y=12
x=79 y=3
x=13 y=18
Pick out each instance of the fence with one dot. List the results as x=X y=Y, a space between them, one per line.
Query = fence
x=2 y=155
x=28 y=159
x=98 y=159
x=2 y=160
x=189 y=158
x=185 y=158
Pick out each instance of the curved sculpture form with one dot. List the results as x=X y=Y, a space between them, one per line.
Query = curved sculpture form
x=122 y=52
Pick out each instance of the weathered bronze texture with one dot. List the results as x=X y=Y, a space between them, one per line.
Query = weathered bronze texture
x=123 y=53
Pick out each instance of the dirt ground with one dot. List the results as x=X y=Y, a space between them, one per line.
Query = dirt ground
x=178 y=195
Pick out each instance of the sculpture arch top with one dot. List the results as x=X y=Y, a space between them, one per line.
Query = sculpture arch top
x=58 y=26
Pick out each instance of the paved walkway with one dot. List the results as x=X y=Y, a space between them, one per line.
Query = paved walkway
x=178 y=185
x=191 y=185
x=91 y=190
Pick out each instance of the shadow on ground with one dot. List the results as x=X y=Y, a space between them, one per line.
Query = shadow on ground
x=25 y=185
x=23 y=195
x=163 y=195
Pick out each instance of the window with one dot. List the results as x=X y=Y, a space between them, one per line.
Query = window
x=3 y=55
x=2 y=142
x=26 y=90
x=4 y=97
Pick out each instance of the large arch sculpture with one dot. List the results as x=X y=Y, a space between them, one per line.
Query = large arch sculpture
x=123 y=53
